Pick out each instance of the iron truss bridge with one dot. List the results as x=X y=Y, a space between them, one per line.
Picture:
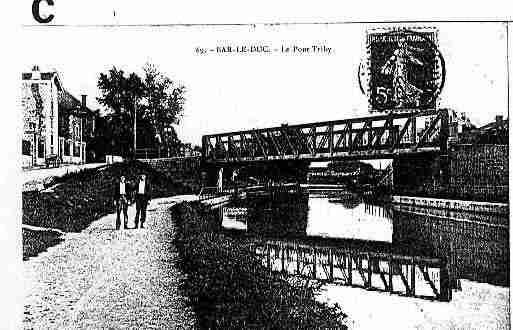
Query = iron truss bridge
x=367 y=137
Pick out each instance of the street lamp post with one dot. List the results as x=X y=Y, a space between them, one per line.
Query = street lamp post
x=159 y=141
x=135 y=129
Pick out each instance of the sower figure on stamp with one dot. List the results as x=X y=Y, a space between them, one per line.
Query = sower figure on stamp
x=121 y=193
x=142 y=197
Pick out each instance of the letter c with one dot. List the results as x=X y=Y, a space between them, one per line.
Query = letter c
x=36 y=14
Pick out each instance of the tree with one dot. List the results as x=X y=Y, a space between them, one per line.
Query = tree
x=120 y=94
x=164 y=105
x=159 y=102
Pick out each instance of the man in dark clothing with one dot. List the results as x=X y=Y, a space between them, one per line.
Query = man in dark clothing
x=121 y=193
x=142 y=197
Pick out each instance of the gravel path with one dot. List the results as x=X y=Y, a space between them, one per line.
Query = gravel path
x=107 y=279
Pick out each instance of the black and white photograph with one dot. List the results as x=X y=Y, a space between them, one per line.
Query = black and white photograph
x=322 y=175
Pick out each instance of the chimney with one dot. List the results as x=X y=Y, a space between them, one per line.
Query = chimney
x=84 y=100
x=36 y=74
x=499 y=120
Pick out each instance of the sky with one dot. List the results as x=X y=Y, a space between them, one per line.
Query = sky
x=227 y=92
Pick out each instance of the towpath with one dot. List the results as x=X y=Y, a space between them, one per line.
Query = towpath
x=101 y=278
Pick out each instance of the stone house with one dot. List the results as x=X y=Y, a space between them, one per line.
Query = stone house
x=55 y=123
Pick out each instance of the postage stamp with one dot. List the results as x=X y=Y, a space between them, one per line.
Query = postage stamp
x=405 y=69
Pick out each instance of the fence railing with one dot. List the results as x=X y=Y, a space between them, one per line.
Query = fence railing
x=150 y=153
x=146 y=153
x=213 y=192
x=482 y=193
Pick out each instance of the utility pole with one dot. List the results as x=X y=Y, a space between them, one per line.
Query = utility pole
x=135 y=128
x=81 y=151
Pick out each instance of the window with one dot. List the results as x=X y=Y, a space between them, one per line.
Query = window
x=67 y=145
x=76 y=150
x=41 y=149
x=26 y=148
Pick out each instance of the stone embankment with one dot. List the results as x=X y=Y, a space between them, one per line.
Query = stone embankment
x=453 y=204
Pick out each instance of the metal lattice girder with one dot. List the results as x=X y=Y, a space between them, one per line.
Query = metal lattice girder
x=258 y=141
x=368 y=137
x=324 y=140
x=343 y=135
x=278 y=148
x=401 y=133
x=430 y=131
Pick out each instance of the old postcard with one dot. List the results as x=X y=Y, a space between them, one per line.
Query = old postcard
x=338 y=174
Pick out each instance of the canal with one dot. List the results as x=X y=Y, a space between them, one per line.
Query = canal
x=476 y=246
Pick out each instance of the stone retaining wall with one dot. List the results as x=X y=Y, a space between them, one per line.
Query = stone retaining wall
x=480 y=171
x=475 y=172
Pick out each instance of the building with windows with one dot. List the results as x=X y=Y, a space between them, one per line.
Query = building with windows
x=56 y=125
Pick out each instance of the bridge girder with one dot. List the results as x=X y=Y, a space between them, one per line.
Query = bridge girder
x=382 y=136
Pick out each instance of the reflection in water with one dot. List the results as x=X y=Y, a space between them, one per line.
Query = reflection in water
x=476 y=245
x=349 y=202
x=363 y=222
x=478 y=250
x=284 y=217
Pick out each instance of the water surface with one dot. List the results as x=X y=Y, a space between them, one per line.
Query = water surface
x=477 y=245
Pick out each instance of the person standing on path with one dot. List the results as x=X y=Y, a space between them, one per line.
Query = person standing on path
x=120 y=198
x=142 y=197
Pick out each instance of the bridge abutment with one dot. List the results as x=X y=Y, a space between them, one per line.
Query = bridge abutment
x=417 y=174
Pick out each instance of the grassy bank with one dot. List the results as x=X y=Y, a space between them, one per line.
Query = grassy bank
x=77 y=199
x=36 y=241
x=230 y=289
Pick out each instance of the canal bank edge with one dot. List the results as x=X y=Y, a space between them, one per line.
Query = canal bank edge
x=453 y=204
x=217 y=267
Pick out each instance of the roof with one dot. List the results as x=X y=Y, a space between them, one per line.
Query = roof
x=495 y=126
x=68 y=102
